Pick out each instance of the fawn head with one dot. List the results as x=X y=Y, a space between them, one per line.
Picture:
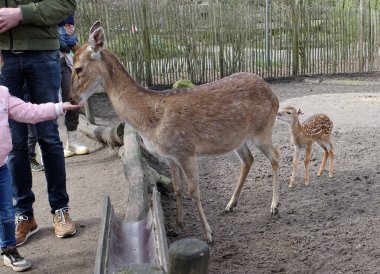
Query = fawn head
x=89 y=71
x=289 y=114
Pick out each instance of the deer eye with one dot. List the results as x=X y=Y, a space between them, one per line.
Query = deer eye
x=78 y=70
x=288 y=112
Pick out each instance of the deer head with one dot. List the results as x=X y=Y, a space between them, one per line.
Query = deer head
x=289 y=114
x=89 y=73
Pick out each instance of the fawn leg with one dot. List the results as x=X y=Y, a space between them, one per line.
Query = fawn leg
x=307 y=161
x=324 y=159
x=296 y=159
x=246 y=159
x=331 y=156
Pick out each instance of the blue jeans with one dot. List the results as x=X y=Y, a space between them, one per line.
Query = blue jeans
x=7 y=215
x=32 y=134
x=40 y=71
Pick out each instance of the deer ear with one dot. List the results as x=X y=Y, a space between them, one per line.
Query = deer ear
x=299 y=111
x=95 y=26
x=96 y=40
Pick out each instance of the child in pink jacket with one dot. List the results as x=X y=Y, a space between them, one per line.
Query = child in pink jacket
x=14 y=108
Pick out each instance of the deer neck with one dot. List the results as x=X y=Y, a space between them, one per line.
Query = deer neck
x=297 y=134
x=133 y=103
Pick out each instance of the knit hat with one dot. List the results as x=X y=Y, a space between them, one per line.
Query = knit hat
x=69 y=20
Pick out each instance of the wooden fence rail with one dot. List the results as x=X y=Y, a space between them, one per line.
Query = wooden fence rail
x=160 y=42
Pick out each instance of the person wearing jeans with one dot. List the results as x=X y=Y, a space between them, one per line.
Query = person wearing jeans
x=68 y=44
x=29 y=44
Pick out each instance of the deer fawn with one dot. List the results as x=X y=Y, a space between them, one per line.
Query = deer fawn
x=181 y=124
x=315 y=129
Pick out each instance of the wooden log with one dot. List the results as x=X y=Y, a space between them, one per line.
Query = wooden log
x=109 y=135
x=137 y=182
x=188 y=256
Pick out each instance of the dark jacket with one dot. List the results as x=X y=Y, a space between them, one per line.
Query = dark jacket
x=38 y=29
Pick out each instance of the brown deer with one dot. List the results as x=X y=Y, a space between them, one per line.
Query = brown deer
x=182 y=124
x=315 y=129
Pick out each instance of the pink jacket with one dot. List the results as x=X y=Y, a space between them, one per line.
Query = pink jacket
x=14 y=108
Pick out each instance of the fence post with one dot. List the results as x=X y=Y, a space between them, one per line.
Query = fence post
x=361 y=37
x=295 y=55
x=267 y=37
x=187 y=256
x=147 y=45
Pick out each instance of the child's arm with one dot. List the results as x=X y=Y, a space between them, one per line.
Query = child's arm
x=21 y=111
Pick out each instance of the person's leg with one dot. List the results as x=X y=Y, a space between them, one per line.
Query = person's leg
x=7 y=215
x=7 y=225
x=43 y=77
x=18 y=160
x=73 y=145
x=32 y=140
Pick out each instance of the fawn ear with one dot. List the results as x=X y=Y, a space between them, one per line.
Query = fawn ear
x=299 y=111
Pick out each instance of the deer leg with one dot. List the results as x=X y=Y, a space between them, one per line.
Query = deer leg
x=177 y=178
x=306 y=162
x=296 y=159
x=273 y=155
x=324 y=159
x=331 y=157
x=246 y=159
x=190 y=169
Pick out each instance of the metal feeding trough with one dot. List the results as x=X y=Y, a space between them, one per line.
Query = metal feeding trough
x=132 y=247
x=141 y=247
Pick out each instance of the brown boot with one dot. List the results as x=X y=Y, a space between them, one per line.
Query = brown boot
x=25 y=227
x=64 y=226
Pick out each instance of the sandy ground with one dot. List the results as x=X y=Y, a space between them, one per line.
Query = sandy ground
x=331 y=226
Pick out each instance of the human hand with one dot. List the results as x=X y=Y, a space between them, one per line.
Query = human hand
x=9 y=18
x=68 y=106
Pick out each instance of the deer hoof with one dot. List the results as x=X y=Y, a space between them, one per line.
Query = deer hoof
x=230 y=207
x=209 y=238
x=274 y=211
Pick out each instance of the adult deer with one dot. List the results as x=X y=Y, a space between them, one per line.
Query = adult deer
x=315 y=129
x=181 y=124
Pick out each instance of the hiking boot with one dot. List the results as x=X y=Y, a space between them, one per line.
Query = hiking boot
x=35 y=165
x=64 y=226
x=13 y=259
x=25 y=227
x=73 y=147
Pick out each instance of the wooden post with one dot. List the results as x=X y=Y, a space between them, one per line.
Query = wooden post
x=88 y=111
x=361 y=37
x=188 y=256
x=295 y=55
x=147 y=44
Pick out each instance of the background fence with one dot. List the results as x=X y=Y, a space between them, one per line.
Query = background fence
x=162 y=41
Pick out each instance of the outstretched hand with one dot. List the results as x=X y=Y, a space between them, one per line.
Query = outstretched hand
x=68 y=106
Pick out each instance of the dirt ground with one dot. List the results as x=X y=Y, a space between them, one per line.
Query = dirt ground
x=331 y=226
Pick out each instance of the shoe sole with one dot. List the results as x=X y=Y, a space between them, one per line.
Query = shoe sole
x=72 y=153
x=28 y=235
x=18 y=268
x=37 y=170
x=67 y=235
